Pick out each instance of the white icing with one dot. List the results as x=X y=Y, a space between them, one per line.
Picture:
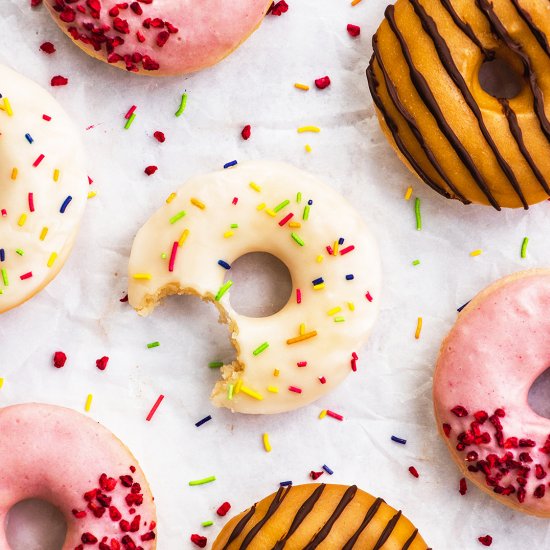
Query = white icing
x=196 y=270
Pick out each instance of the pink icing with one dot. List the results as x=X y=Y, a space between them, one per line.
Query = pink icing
x=58 y=455
x=159 y=36
x=498 y=347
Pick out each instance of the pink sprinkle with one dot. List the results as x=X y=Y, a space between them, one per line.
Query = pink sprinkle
x=347 y=249
x=335 y=415
x=38 y=160
x=298 y=296
x=59 y=81
x=47 y=118
x=413 y=471
x=90 y=180
x=286 y=219
x=330 y=251
x=354 y=364
x=159 y=136
x=322 y=379
x=302 y=363
x=26 y=276
x=323 y=82
x=173 y=257
x=235 y=200
x=150 y=170
x=246 y=132
x=355 y=356
x=130 y=112
x=294 y=389
x=4 y=212
x=31 y=202
x=155 y=407
x=368 y=296
x=353 y=30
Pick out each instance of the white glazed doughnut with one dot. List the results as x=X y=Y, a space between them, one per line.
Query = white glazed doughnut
x=276 y=369
x=43 y=187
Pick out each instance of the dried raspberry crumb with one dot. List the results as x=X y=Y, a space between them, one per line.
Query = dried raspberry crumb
x=413 y=471
x=59 y=359
x=121 y=25
x=279 y=8
x=462 y=487
x=35 y=3
x=124 y=298
x=79 y=514
x=446 y=429
x=150 y=170
x=223 y=509
x=353 y=30
x=59 y=81
x=162 y=38
x=88 y=538
x=159 y=136
x=459 y=411
x=323 y=82
x=246 y=131
x=148 y=536
x=199 y=541
x=316 y=475
x=487 y=540
x=101 y=363
x=47 y=47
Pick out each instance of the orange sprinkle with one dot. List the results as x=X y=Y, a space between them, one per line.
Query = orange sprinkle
x=302 y=337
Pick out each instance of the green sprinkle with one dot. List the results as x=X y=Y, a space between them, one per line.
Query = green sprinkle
x=297 y=239
x=207 y=523
x=215 y=364
x=19 y=251
x=177 y=216
x=298 y=197
x=223 y=289
x=417 y=214
x=234 y=226
x=339 y=319
x=129 y=121
x=261 y=348
x=209 y=479
x=281 y=205
x=182 y=106
x=153 y=345
x=416 y=262
x=5 y=277
x=230 y=392
x=306 y=212
x=524 y=247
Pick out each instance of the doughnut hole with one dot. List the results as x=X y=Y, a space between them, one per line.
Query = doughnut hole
x=35 y=524
x=538 y=397
x=262 y=284
x=501 y=78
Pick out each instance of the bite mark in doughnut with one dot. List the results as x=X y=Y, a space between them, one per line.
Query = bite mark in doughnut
x=291 y=358
x=58 y=455
x=312 y=516
x=488 y=362
x=158 y=37
x=460 y=140
x=43 y=186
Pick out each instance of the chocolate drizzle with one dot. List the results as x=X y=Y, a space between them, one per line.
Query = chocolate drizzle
x=538 y=34
x=240 y=527
x=429 y=100
x=410 y=540
x=387 y=531
x=371 y=512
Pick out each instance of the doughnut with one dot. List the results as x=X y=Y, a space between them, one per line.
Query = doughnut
x=286 y=360
x=159 y=37
x=61 y=456
x=487 y=363
x=460 y=131
x=43 y=188
x=310 y=516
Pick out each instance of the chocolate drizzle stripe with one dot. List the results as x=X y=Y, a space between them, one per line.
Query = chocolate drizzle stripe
x=325 y=530
x=502 y=33
x=387 y=531
x=429 y=100
x=371 y=512
x=392 y=126
x=515 y=130
x=275 y=503
x=301 y=515
x=240 y=527
x=410 y=540
x=537 y=33
x=446 y=58
x=398 y=104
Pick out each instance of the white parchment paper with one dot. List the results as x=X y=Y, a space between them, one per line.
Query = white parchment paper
x=80 y=312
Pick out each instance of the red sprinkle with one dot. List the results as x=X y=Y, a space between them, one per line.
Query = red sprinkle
x=414 y=471
x=150 y=170
x=59 y=359
x=48 y=48
x=322 y=379
x=199 y=541
x=59 y=81
x=101 y=363
x=155 y=407
x=31 y=202
x=335 y=415
x=235 y=200
x=298 y=296
x=368 y=296
x=353 y=30
x=286 y=219
x=302 y=363
x=47 y=118
x=294 y=389
x=322 y=83
x=38 y=160
x=130 y=112
x=346 y=250
x=173 y=257
x=246 y=131
x=26 y=276
x=462 y=487
x=223 y=509
x=487 y=540
x=159 y=136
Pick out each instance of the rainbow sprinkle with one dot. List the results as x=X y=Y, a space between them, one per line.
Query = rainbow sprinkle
x=183 y=104
x=267 y=444
x=524 y=247
x=88 y=404
x=155 y=407
x=417 y=214
x=202 y=481
x=223 y=289
x=260 y=349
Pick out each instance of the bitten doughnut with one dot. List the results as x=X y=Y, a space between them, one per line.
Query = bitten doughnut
x=497 y=348
x=462 y=141
x=320 y=516
x=291 y=358
x=43 y=188
x=159 y=37
x=61 y=456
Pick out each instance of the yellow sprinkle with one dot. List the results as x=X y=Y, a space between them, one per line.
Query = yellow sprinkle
x=335 y=247
x=254 y=186
x=267 y=445
x=52 y=259
x=273 y=389
x=408 y=193
x=334 y=310
x=276 y=372
x=238 y=386
x=307 y=147
x=252 y=393
x=171 y=197
x=92 y=194
x=271 y=212
x=1 y=382
x=88 y=404
x=476 y=252
x=294 y=224
x=355 y=2
x=43 y=233
x=319 y=286
x=418 y=328
x=260 y=206
x=183 y=237
x=198 y=203
x=142 y=276
x=351 y=306
x=7 y=107
x=319 y=258
x=22 y=220
x=302 y=329
x=14 y=174
x=302 y=337
x=314 y=129
x=300 y=86
x=228 y=234
x=56 y=175
x=322 y=414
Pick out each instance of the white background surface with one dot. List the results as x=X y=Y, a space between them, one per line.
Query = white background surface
x=80 y=311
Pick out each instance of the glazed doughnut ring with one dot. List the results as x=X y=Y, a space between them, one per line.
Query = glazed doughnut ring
x=487 y=364
x=159 y=37
x=428 y=81
x=43 y=188
x=61 y=456
x=304 y=517
x=291 y=358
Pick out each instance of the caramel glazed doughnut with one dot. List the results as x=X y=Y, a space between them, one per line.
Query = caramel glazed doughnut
x=304 y=517
x=158 y=37
x=460 y=140
x=289 y=359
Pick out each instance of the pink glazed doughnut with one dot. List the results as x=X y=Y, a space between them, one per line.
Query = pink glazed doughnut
x=158 y=37
x=63 y=457
x=497 y=348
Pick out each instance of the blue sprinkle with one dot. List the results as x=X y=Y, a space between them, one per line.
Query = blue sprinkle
x=65 y=204
x=463 y=306
x=341 y=240
x=310 y=202
x=349 y=277
x=327 y=470
x=29 y=138
x=225 y=265
x=318 y=281
x=203 y=421
x=398 y=440
x=285 y=483
x=2 y=255
x=230 y=164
